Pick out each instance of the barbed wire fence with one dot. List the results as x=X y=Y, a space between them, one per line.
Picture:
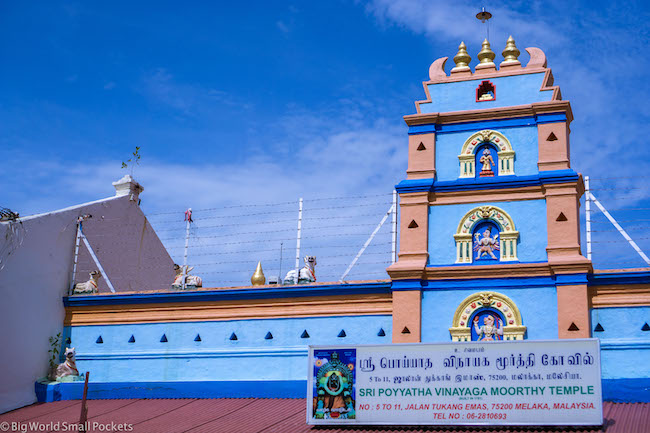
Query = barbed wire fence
x=355 y=237
x=616 y=221
x=224 y=244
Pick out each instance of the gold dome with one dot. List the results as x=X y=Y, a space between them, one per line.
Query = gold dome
x=258 y=278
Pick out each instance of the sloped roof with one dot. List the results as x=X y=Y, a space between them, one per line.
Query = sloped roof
x=269 y=415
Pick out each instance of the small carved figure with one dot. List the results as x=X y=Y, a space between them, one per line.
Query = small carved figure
x=486 y=244
x=66 y=368
x=89 y=286
x=307 y=274
x=488 y=332
x=488 y=162
x=191 y=281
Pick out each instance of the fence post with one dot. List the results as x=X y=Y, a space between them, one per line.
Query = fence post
x=188 y=220
x=588 y=214
x=394 y=228
x=298 y=240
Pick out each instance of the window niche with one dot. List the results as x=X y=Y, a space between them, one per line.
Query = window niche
x=486 y=153
x=485 y=92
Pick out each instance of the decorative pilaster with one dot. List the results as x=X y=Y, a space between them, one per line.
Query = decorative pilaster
x=573 y=318
x=414 y=238
x=463 y=248
x=422 y=156
x=407 y=315
x=508 y=249
x=506 y=162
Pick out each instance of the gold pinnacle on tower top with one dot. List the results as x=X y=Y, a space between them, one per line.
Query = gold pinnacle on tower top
x=486 y=56
x=258 y=278
x=461 y=59
x=510 y=54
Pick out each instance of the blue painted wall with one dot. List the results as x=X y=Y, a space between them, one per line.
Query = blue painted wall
x=216 y=357
x=522 y=138
x=538 y=308
x=625 y=348
x=460 y=96
x=529 y=217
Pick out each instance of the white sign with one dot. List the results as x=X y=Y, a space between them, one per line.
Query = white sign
x=467 y=383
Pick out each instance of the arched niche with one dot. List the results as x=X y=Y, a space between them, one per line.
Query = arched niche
x=494 y=141
x=470 y=237
x=494 y=303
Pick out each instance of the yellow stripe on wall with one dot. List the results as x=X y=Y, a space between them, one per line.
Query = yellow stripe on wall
x=346 y=305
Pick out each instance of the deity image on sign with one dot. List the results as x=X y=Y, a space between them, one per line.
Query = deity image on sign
x=485 y=244
x=334 y=384
x=488 y=162
x=492 y=328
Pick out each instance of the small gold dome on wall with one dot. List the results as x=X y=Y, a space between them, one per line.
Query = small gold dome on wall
x=258 y=278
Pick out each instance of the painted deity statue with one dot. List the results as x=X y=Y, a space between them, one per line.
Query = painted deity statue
x=487 y=162
x=489 y=331
x=486 y=244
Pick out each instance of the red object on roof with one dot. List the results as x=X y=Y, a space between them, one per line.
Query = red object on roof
x=244 y=415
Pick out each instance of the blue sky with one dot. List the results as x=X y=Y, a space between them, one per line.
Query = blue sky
x=261 y=102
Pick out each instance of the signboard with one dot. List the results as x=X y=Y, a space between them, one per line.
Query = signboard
x=467 y=383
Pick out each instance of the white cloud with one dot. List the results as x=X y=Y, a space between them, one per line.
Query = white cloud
x=282 y=27
x=333 y=159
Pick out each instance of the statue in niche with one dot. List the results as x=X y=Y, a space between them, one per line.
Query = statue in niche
x=488 y=163
x=486 y=244
x=489 y=331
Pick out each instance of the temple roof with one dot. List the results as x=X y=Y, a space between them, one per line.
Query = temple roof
x=244 y=415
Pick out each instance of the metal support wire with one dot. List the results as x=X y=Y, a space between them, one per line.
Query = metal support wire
x=383 y=220
x=611 y=219
x=94 y=256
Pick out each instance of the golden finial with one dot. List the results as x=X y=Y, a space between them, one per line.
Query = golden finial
x=461 y=59
x=258 y=278
x=486 y=56
x=510 y=54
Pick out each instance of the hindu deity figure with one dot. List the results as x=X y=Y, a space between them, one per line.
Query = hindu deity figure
x=487 y=162
x=486 y=244
x=488 y=332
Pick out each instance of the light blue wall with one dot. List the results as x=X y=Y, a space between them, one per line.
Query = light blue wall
x=625 y=348
x=216 y=357
x=538 y=308
x=529 y=217
x=522 y=138
x=460 y=96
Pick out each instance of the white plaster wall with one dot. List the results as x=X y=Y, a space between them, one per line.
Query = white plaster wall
x=37 y=272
